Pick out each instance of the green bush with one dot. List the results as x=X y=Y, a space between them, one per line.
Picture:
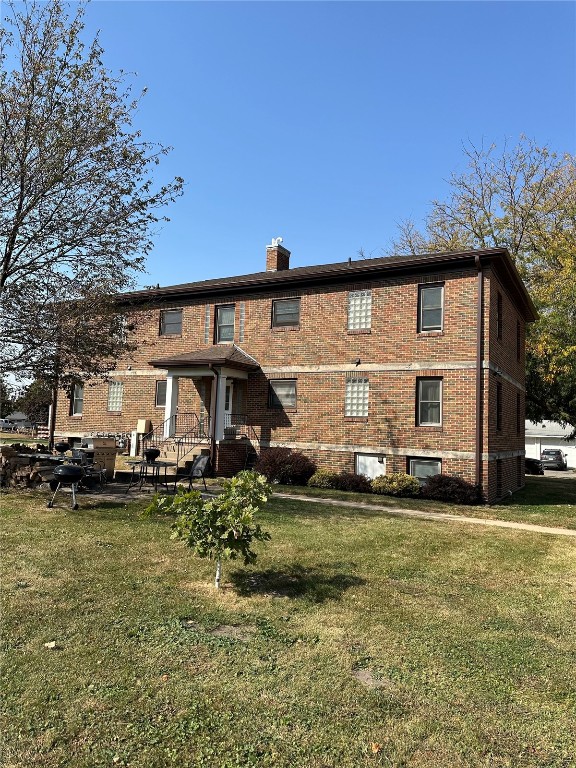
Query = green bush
x=282 y=465
x=322 y=478
x=396 y=484
x=452 y=489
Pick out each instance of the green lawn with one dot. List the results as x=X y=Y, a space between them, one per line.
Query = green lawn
x=547 y=500
x=356 y=640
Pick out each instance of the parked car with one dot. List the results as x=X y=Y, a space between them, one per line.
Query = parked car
x=553 y=458
x=7 y=426
x=533 y=467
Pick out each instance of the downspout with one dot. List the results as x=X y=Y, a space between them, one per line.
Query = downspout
x=479 y=371
x=213 y=411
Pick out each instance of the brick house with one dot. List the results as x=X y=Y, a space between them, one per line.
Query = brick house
x=412 y=364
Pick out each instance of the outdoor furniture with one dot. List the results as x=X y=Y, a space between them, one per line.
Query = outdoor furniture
x=199 y=469
x=148 y=471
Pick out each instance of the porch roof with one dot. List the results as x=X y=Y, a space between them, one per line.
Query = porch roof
x=230 y=356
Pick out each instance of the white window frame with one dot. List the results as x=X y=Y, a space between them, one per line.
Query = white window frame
x=420 y=402
x=77 y=400
x=357 y=398
x=278 y=321
x=170 y=327
x=219 y=326
x=115 y=396
x=437 y=463
x=423 y=290
x=159 y=384
x=278 y=400
x=360 y=310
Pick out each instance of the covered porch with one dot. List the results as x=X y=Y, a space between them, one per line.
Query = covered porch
x=206 y=397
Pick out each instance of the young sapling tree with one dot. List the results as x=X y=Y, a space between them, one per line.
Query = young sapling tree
x=222 y=527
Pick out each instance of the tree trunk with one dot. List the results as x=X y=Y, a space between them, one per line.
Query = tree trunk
x=218 y=573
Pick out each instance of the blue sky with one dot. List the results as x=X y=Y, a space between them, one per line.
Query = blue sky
x=326 y=123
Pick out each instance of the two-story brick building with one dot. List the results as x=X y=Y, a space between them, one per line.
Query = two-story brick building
x=412 y=364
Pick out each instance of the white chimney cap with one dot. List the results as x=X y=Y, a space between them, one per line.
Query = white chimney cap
x=275 y=241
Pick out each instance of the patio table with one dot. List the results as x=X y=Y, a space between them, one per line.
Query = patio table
x=148 y=471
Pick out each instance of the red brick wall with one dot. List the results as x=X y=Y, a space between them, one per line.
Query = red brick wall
x=322 y=340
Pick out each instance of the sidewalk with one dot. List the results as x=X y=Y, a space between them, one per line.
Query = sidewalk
x=439 y=516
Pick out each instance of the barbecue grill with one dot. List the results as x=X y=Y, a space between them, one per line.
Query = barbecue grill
x=67 y=474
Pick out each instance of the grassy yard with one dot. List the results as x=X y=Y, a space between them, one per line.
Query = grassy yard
x=356 y=640
x=544 y=501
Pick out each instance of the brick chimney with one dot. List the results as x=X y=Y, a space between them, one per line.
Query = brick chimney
x=277 y=257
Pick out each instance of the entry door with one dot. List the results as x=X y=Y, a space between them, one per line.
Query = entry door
x=228 y=404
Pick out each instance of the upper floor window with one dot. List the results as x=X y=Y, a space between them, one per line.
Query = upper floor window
x=115 y=395
x=170 y=322
x=356 y=397
x=224 y=323
x=430 y=307
x=160 y=399
x=359 y=310
x=282 y=393
x=429 y=402
x=77 y=400
x=285 y=313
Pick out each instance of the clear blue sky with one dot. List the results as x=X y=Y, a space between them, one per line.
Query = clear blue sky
x=326 y=123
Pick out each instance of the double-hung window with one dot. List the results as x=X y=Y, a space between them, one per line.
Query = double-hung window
x=224 y=323
x=430 y=307
x=356 y=397
x=170 y=322
x=77 y=400
x=115 y=394
x=285 y=313
x=282 y=394
x=429 y=402
x=359 y=310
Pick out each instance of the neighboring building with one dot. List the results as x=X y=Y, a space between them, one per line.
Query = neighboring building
x=550 y=434
x=412 y=364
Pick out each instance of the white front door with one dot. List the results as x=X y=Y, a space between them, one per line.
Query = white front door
x=228 y=403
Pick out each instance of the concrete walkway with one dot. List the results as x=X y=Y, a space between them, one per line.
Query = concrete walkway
x=440 y=516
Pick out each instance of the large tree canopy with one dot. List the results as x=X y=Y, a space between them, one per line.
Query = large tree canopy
x=78 y=202
x=524 y=199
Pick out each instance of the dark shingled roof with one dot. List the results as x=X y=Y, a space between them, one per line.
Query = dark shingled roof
x=341 y=272
x=229 y=355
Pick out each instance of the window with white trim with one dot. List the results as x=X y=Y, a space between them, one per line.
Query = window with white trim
x=170 y=322
x=115 y=395
x=356 y=397
x=285 y=313
x=160 y=399
x=429 y=402
x=359 y=310
x=424 y=468
x=430 y=307
x=224 y=323
x=77 y=400
x=282 y=393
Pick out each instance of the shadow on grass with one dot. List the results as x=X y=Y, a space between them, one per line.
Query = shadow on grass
x=544 y=491
x=316 y=584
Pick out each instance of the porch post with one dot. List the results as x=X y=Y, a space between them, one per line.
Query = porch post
x=220 y=403
x=171 y=405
